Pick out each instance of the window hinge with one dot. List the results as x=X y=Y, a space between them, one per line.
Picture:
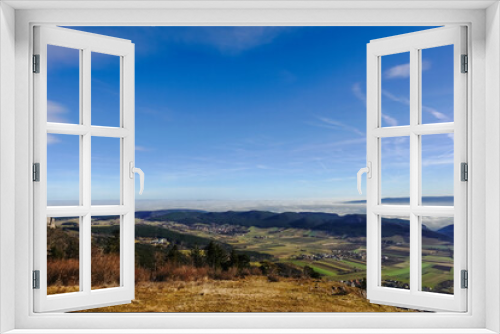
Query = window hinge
x=464 y=171
x=465 y=279
x=36 y=172
x=465 y=64
x=36 y=279
x=36 y=63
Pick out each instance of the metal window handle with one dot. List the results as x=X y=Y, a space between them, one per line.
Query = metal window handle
x=139 y=171
x=368 y=171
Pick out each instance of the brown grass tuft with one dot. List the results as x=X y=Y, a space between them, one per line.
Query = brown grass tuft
x=105 y=269
x=63 y=272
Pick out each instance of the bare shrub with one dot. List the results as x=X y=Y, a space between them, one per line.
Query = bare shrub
x=63 y=272
x=142 y=275
x=105 y=268
x=273 y=278
x=229 y=275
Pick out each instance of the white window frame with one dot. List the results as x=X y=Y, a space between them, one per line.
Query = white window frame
x=482 y=19
x=86 y=44
x=414 y=43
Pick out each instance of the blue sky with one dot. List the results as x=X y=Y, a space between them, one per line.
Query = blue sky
x=249 y=113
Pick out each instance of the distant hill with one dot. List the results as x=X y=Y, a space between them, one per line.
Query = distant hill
x=447 y=230
x=184 y=240
x=353 y=225
x=427 y=200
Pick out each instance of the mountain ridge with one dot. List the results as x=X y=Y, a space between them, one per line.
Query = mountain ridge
x=350 y=225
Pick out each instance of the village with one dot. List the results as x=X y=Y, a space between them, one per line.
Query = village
x=336 y=254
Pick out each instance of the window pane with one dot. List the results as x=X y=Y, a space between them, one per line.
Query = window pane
x=437 y=84
x=437 y=169
x=63 y=169
x=105 y=171
x=63 y=85
x=63 y=255
x=437 y=254
x=395 y=170
x=395 y=252
x=395 y=92
x=105 y=90
x=105 y=252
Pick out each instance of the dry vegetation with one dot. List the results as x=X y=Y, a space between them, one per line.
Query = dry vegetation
x=251 y=294
x=185 y=288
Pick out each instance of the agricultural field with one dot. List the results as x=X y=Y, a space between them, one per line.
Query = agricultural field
x=238 y=258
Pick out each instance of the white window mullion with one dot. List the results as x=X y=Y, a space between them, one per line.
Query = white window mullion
x=86 y=163
x=372 y=186
x=127 y=120
x=414 y=169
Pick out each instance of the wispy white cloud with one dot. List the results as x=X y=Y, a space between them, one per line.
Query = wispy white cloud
x=389 y=120
x=232 y=40
x=340 y=179
x=358 y=92
x=434 y=161
x=51 y=139
x=336 y=125
x=56 y=112
x=438 y=115
x=398 y=71
x=395 y=98
x=403 y=70
x=403 y=100
x=331 y=145
x=143 y=148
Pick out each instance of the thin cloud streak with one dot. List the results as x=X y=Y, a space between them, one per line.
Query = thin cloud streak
x=403 y=71
x=231 y=40
x=389 y=120
x=56 y=112
x=142 y=148
x=397 y=72
x=341 y=143
x=403 y=100
x=334 y=124
x=51 y=139
x=358 y=92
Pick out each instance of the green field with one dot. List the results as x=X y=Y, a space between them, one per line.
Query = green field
x=302 y=247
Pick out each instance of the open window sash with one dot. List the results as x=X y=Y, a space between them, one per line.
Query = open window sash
x=85 y=43
x=414 y=43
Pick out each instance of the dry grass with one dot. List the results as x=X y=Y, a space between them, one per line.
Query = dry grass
x=63 y=272
x=105 y=269
x=250 y=294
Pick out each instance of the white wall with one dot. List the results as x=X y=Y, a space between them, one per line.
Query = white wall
x=492 y=164
x=7 y=160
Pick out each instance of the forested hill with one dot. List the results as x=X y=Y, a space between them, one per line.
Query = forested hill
x=353 y=225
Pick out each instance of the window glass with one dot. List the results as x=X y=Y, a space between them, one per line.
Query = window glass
x=437 y=254
x=63 y=255
x=63 y=85
x=105 y=90
x=437 y=84
x=395 y=170
x=395 y=93
x=105 y=251
x=437 y=169
x=395 y=252
x=63 y=170
x=106 y=171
